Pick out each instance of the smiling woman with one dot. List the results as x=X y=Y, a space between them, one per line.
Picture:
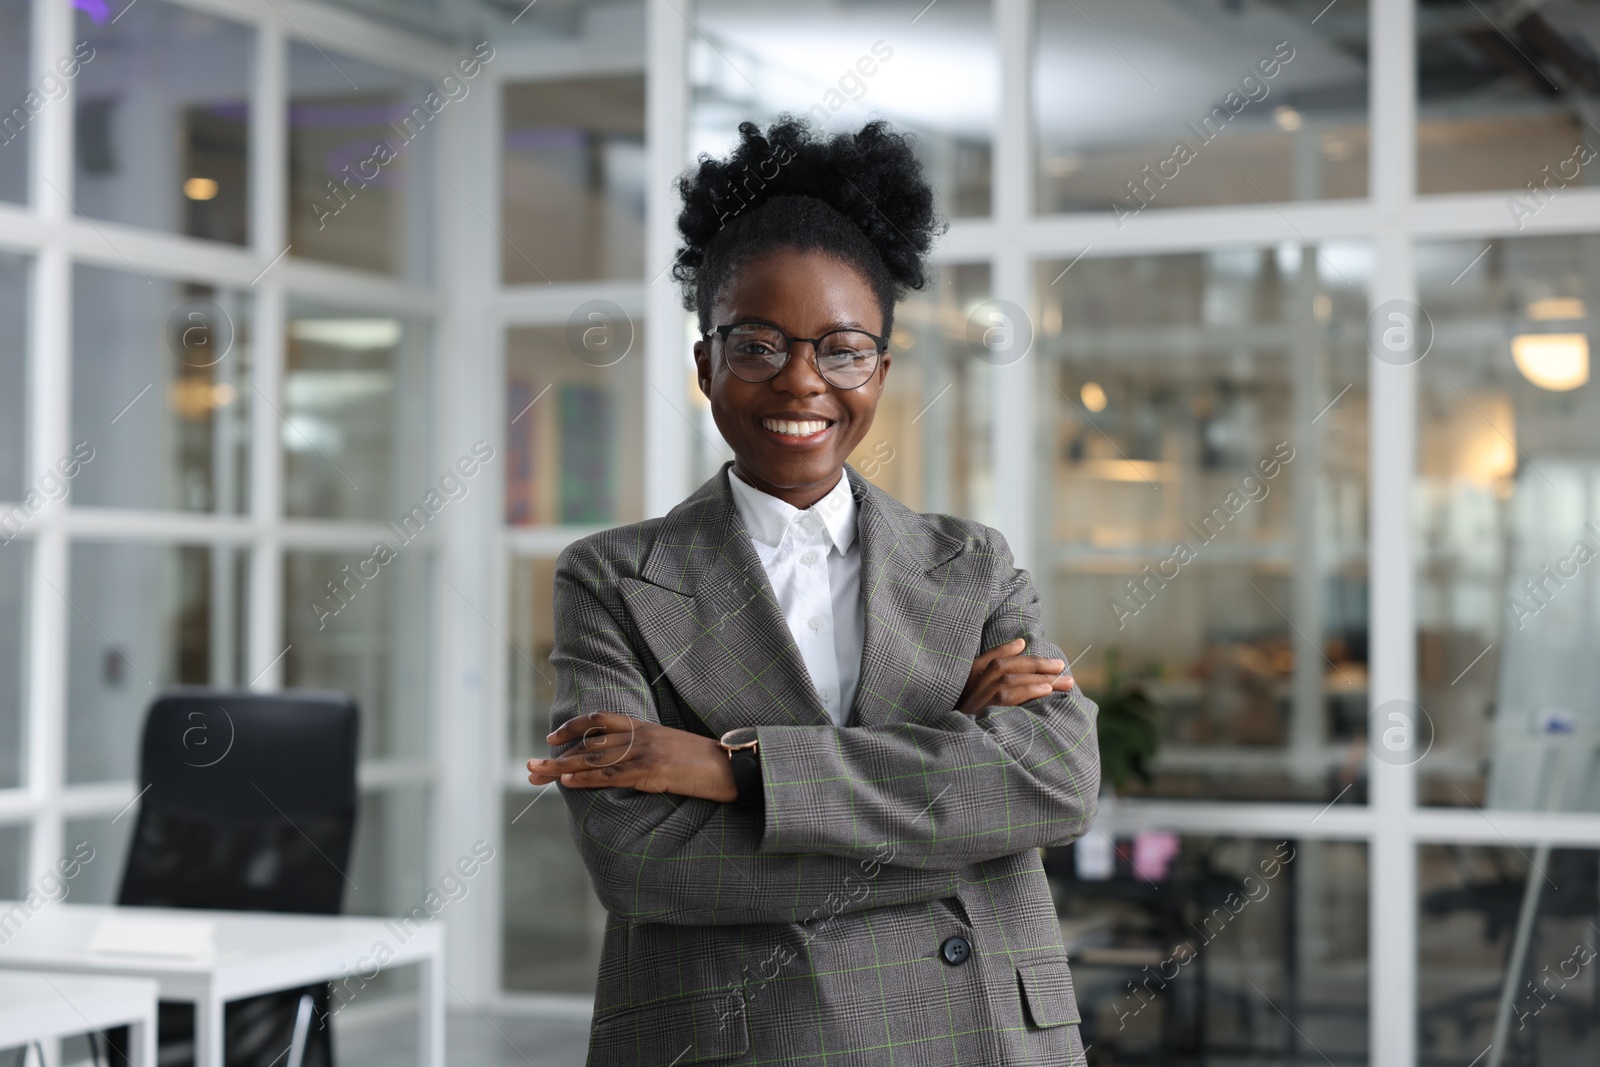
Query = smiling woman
x=784 y=712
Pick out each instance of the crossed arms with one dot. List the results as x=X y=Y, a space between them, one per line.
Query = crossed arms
x=860 y=817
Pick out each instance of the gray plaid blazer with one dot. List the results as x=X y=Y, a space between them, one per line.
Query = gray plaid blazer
x=815 y=933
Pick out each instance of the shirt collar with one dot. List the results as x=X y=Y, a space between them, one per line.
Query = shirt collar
x=768 y=519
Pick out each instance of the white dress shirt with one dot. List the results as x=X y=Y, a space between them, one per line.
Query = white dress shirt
x=813 y=561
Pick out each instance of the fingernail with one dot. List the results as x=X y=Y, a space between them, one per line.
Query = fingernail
x=566 y=777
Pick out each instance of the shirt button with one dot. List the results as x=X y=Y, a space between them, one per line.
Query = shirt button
x=809 y=557
x=817 y=621
x=956 y=951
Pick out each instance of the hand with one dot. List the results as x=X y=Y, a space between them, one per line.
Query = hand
x=1005 y=678
x=619 y=750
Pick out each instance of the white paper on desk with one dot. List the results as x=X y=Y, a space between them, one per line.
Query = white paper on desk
x=142 y=935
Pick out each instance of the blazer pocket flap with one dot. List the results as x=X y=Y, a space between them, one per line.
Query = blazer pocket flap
x=1047 y=992
x=698 y=1029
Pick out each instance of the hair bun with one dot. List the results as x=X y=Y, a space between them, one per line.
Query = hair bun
x=871 y=178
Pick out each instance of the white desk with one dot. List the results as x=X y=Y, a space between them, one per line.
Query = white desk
x=253 y=953
x=43 y=1007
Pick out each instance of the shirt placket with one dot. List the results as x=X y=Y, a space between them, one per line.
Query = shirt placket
x=815 y=610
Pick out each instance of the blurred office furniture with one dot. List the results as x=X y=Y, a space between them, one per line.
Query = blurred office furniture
x=1105 y=961
x=36 y=1008
x=212 y=958
x=1145 y=965
x=1514 y=902
x=1546 y=749
x=248 y=804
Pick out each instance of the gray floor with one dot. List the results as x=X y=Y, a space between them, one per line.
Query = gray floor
x=471 y=1040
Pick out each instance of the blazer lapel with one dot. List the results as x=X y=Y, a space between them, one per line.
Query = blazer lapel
x=926 y=596
x=706 y=609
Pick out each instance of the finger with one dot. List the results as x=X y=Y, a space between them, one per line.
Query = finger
x=989 y=656
x=595 y=721
x=575 y=761
x=539 y=779
x=1012 y=696
x=993 y=694
x=594 y=738
x=1063 y=683
x=1023 y=665
x=597 y=778
x=1033 y=665
x=1020 y=680
x=577 y=726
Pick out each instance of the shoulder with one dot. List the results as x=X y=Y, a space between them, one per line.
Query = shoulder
x=944 y=535
x=690 y=530
x=610 y=555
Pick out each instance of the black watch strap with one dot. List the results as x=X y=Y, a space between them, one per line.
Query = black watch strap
x=747 y=780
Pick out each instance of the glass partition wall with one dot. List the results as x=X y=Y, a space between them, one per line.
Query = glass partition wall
x=204 y=430
x=1293 y=447
x=1261 y=333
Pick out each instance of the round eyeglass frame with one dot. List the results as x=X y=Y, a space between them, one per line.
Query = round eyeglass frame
x=788 y=352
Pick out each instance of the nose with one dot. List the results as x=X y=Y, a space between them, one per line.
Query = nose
x=799 y=376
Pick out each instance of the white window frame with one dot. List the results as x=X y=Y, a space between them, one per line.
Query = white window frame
x=1393 y=218
x=48 y=231
x=469 y=767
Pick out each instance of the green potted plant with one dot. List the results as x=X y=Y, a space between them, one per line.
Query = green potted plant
x=1127 y=725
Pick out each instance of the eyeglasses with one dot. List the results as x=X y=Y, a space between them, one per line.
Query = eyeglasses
x=756 y=352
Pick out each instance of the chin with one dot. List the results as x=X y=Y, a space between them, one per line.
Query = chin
x=792 y=472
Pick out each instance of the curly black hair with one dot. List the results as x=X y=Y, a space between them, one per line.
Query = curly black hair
x=859 y=196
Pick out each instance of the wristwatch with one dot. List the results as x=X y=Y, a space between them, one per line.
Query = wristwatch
x=742 y=744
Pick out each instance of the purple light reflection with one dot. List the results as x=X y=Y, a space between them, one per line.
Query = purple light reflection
x=98 y=10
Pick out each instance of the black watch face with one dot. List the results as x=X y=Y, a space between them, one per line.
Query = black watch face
x=742 y=735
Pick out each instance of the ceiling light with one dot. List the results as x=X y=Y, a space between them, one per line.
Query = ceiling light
x=200 y=188
x=1093 y=396
x=1286 y=117
x=358 y=334
x=1555 y=361
x=1556 y=308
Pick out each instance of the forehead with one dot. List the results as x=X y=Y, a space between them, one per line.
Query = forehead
x=799 y=291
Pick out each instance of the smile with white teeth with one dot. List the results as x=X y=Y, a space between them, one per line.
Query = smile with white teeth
x=790 y=428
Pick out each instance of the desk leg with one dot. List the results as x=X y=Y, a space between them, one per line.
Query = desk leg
x=208 y=1031
x=142 y=1043
x=430 y=991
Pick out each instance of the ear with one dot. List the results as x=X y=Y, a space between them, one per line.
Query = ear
x=702 y=368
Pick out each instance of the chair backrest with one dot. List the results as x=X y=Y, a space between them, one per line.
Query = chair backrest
x=248 y=802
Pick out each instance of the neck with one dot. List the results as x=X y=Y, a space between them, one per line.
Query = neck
x=799 y=497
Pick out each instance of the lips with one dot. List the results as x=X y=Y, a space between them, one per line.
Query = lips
x=796 y=427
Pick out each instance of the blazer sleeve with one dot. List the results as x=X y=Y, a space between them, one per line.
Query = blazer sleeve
x=670 y=859
x=950 y=790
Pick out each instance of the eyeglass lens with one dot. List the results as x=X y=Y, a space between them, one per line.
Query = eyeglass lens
x=756 y=353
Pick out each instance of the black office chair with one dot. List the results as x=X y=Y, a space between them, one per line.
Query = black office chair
x=250 y=805
x=1571 y=891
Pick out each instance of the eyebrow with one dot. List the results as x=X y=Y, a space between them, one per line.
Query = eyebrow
x=740 y=320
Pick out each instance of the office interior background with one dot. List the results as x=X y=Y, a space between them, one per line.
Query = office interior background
x=1367 y=273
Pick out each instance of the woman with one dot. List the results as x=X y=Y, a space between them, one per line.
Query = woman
x=811 y=741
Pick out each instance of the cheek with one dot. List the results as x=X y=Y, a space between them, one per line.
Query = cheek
x=729 y=398
x=861 y=409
